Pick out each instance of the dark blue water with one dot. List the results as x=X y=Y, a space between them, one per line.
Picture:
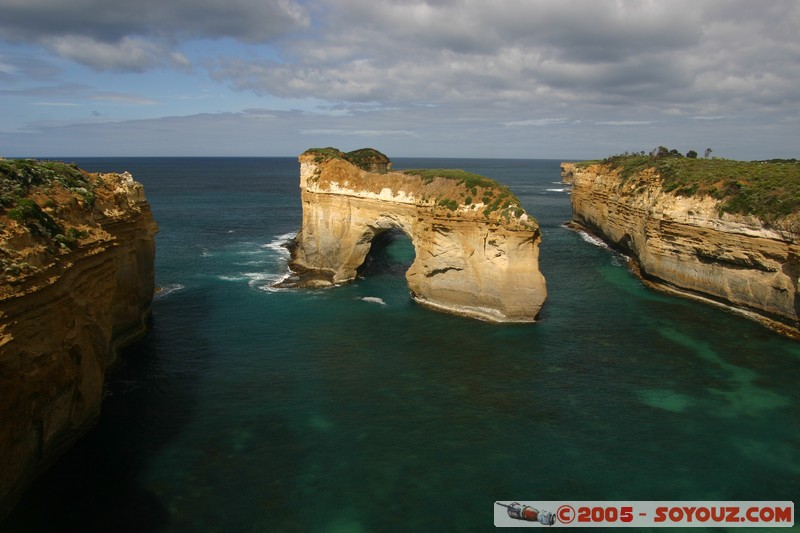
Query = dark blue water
x=353 y=409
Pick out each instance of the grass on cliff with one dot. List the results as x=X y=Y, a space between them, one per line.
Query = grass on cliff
x=19 y=176
x=767 y=189
x=22 y=178
x=468 y=179
x=494 y=196
x=363 y=158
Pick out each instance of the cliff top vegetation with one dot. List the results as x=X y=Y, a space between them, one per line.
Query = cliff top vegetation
x=474 y=189
x=19 y=176
x=364 y=158
x=46 y=209
x=769 y=190
x=24 y=183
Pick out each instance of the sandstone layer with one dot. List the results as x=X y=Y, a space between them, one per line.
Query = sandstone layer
x=476 y=250
x=686 y=244
x=68 y=302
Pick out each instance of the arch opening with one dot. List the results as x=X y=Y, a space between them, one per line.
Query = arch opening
x=391 y=254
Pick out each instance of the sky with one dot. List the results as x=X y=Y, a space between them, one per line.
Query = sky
x=556 y=79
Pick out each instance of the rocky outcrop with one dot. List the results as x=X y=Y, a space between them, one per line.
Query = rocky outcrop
x=77 y=253
x=686 y=244
x=476 y=248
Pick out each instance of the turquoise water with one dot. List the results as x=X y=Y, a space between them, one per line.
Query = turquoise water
x=353 y=409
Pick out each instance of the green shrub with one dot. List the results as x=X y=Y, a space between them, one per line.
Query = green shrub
x=38 y=222
x=462 y=177
x=70 y=238
x=18 y=176
x=449 y=203
x=364 y=158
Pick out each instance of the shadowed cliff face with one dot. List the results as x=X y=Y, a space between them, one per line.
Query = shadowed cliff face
x=683 y=244
x=476 y=249
x=68 y=302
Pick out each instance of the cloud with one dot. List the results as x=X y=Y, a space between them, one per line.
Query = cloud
x=74 y=91
x=122 y=98
x=126 y=55
x=17 y=68
x=112 y=20
x=536 y=122
x=56 y=104
x=424 y=132
x=124 y=35
x=61 y=91
x=624 y=122
x=432 y=74
x=682 y=55
x=359 y=133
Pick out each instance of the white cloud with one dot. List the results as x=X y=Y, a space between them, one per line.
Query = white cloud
x=56 y=104
x=127 y=54
x=424 y=132
x=624 y=122
x=681 y=57
x=536 y=122
x=356 y=133
x=7 y=68
x=121 y=98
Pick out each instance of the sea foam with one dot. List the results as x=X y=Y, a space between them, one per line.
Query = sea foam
x=591 y=239
x=165 y=291
x=373 y=299
x=279 y=244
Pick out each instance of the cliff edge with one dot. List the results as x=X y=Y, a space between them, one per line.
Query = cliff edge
x=476 y=250
x=724 y=232
x=76 y=282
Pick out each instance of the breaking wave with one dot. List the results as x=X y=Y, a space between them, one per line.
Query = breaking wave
x=231 y=278
x=279 y=244
x=266 y=281
x=265 y=265
x=163 y=292
x=591 y=239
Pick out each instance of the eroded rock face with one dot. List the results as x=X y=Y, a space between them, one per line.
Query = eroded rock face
x=67 y=305
x=684 y=245
x=473 y=257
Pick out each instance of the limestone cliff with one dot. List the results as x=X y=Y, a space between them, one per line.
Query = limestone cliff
x=76 y=251
x=476 y=249
x=691 y=243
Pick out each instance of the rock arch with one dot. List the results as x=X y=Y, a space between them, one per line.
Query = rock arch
x=373 y=231
x=478 y=259
x=391 y=250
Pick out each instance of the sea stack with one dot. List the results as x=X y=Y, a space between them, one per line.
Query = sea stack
x=476 y=249
x=76 y=256
x=720 y=231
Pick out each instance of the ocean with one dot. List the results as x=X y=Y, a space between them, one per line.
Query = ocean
x=252 y=409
